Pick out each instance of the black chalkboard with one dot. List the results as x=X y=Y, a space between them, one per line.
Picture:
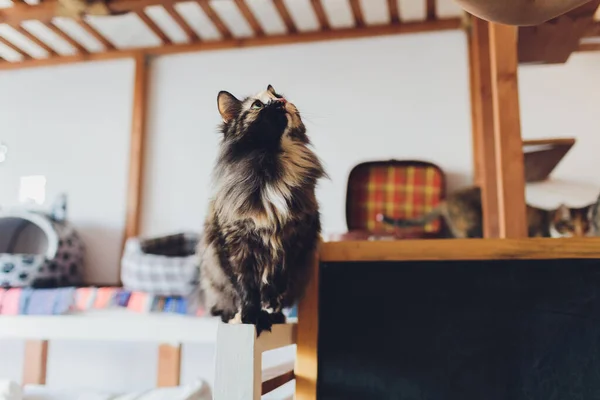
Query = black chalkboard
x=460 y=330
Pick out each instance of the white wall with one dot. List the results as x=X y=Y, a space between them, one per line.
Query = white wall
x=390 y=97
x=401 y=97
x=72 y=125
x=564 y=101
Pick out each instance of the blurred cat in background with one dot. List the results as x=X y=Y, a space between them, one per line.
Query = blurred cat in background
x=463 y=216
x=595 y=218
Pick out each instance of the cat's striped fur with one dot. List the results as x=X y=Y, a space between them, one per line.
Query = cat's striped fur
x=263 y=222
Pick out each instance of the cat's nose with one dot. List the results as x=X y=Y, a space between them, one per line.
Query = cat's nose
x=279 y=103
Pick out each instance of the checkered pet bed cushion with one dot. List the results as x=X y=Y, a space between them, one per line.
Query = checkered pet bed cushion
x=400 y=189
x=165 y=266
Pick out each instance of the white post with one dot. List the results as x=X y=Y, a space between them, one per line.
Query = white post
x=238 y=363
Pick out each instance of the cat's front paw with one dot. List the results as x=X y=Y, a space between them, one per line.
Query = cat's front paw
x=237 y=319
x=277 y=318
x=261 y=320
x=263 y=323
x=250 y=316
x=225 y=315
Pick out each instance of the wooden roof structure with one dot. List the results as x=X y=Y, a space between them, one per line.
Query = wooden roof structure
x=48 y=32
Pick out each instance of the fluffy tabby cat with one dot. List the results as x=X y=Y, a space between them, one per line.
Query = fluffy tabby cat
x=462 y=212
x=263 y=222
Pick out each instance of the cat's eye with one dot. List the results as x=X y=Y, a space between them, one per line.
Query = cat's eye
x=257 y=105
x=564 y=226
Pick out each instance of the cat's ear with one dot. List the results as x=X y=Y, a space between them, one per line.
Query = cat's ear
x=592 y=210
x=271 y=90
x=229 y=105
x=563 y=213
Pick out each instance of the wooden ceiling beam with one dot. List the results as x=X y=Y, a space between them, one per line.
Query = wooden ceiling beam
x=189 y=32
x=58 y=32
x=250 y=18
x=15 y=48
x=46 y=10
x=431 y=10
x=394 y=11
x=31 y=37
x=317 y=7
x=215 y=19
x=95 y=34
x=153 y=27
x=304 y=37
x=285 y=16
x=271 y=40
x=359 y=19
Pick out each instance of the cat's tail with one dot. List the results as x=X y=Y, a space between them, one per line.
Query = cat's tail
x=406 y=223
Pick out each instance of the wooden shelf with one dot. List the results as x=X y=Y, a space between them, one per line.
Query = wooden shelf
x=461 y=249
x=110 y=325
x=123 y=326
x=543 y=155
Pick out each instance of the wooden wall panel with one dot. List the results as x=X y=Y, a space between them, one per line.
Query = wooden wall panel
x=510 y=173
x=484 y=144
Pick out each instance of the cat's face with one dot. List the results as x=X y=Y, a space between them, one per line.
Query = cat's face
x=572 y=222
x=265 y=159
x=260 y=122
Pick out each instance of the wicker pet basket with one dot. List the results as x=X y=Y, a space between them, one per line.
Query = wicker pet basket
x=165 y=266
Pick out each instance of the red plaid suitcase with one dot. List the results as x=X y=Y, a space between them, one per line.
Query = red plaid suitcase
x=400 y=189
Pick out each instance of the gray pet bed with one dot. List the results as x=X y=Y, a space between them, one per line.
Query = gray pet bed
x=164 y=266
x=37 y=250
